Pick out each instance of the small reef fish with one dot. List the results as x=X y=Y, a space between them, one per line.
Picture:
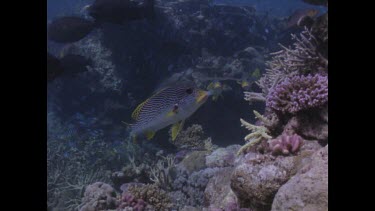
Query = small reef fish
x=216 y=89
x=69 y=29
x=299 y=14
x=68 y=65
x=169 y=106
x=120 y=11
x=54 y=67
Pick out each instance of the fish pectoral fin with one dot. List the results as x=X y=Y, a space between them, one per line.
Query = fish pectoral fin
x=171 y=113
x=176 y=128
x=149 y=134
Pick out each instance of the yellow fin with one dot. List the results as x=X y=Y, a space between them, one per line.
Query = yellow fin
x=171 y=113
x=135 y=113
x=210 y=86
x=176 y=128
x=149 y=134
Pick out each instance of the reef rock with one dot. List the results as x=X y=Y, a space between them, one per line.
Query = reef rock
x=220 y=195
x=256 y=180
x=194 y=161
x=311 y=125
x=99 y=196
x=222 y=157
x=308 y=189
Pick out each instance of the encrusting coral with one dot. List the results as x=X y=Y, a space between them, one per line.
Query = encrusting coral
x=152 y=195
x=299 y=93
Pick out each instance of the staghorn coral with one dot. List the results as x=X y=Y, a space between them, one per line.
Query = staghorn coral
x=303 y=58
x=161 y=174
x=257 y=134
x=285 y=144
x=299 y=93
x=152 y=195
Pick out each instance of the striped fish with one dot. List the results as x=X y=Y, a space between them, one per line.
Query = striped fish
x=169 y=106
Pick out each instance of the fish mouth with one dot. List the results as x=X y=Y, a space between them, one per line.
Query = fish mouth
x=202 y=96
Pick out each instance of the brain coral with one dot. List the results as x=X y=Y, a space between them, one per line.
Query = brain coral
x=299 y=93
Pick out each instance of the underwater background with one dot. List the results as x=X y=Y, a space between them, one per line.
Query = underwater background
x=257 y=140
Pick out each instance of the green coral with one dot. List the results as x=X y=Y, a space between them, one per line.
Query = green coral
x=257 y=134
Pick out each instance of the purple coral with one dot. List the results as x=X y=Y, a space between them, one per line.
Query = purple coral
x=129 y=200
x=285 y=144
x=299 y=93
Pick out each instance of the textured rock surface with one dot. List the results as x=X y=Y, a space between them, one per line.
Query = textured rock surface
x=257 y=179
x=194 y=161
x=222 y=157
x=308 y=189
x=99 y=196
x=218 y=192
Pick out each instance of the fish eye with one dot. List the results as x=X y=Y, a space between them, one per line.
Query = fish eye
x=189 y=90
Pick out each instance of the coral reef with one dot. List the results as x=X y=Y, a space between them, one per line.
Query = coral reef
x=222 y=157
x=99 y=196
x=303 y=58
x=189 y=189
x=103 y=69
x=258 y=134
x=129 y=202
x=308 y=189
x=285 y=144
x=161 y=174
x=257 y=178
x=194 y=161
x=153 y=195
x=192 y=137
x=299 y=93
x=220 y=195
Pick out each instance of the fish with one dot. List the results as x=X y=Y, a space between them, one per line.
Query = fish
x=216 y=88
x=74 y=64
x=169 y=106
x=69 y=29
x=120 y=11
x=299 y=14
x=68 y=65
x=54 y=67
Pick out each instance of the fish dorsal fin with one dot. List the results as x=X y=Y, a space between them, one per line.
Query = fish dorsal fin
x=135 y=113
x=176 y=128
x=149 y=134
x=137 y=110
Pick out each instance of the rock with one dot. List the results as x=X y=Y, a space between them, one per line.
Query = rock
x=222 y=157
x=256 y=180
x=99 y=196
x=308 y=189
x=194 y=161
x=218 y=192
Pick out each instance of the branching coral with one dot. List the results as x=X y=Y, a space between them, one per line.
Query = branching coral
x=303 y=58
x=299 y=93
x=161 y=173
x=285 y=144
x=257 y=134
